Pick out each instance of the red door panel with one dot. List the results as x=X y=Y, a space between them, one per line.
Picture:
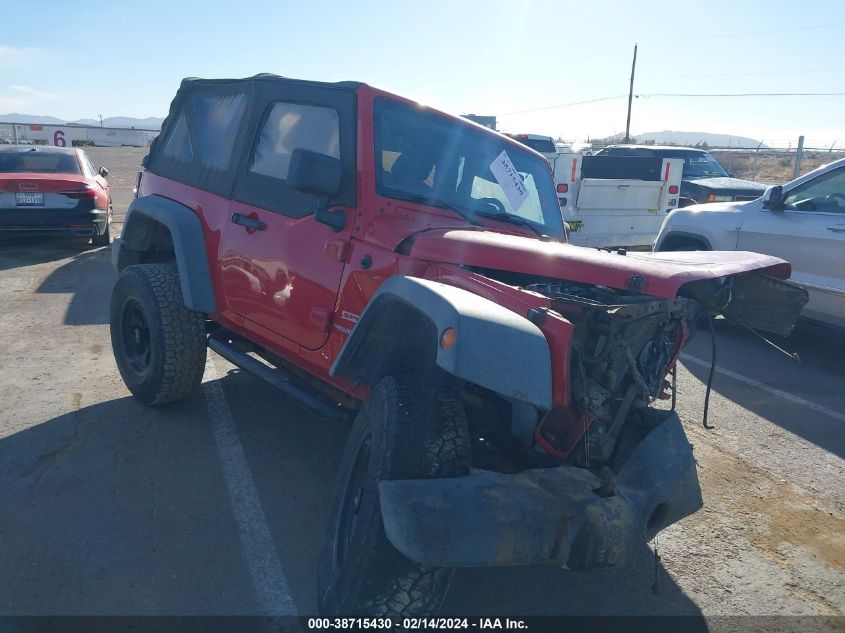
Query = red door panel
x=284 y=277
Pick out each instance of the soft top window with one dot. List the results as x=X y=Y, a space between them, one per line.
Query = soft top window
x=217 y=119
x=290 y=126
x=39 y=162
x=178 y=145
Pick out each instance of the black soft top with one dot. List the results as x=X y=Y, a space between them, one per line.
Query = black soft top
x=191 y=169
x=192 y=82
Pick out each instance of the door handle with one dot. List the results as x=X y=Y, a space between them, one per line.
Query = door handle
x=837 y=229
x=251 y=223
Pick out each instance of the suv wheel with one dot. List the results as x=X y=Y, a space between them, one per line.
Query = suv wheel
x=158 y=343
x=403 y=431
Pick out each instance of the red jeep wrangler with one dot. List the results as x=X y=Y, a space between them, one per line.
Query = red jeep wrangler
x=368 y=255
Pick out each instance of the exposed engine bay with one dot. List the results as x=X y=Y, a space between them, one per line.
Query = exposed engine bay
x=623 y=348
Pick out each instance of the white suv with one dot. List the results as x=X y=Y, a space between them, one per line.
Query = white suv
x=802 y=222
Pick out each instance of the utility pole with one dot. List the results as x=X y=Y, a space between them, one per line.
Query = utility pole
x=101 y=119
x=630 y=97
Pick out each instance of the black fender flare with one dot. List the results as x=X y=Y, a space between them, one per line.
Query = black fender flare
x=494 y=347
x=188 y=239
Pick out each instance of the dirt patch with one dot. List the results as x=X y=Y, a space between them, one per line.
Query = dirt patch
x=770 y=168
x=776 y=512
x=799 y=543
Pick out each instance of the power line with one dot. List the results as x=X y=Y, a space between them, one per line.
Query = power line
x=743 y=94
x=780 y=72
x=749 y=34
x=564 y=105
x=678 y=94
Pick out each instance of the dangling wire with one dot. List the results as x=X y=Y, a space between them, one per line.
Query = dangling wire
x=712 y=371
x=655 y=587
x=674 y=383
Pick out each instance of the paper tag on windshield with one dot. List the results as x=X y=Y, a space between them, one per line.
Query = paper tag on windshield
x=509 y=179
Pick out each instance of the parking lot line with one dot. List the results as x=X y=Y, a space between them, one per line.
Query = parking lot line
x=836 y=415
x=271 y=587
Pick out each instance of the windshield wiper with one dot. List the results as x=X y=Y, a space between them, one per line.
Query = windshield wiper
x=513 y=219
x=437 y=202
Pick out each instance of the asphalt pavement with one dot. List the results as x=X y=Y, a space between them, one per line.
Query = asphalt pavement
x=218 y=504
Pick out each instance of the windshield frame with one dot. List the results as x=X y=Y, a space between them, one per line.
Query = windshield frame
x=710 y=160
x=684 y=154
x=546 y=197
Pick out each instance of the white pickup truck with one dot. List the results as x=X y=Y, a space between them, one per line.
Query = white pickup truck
x=611 y=201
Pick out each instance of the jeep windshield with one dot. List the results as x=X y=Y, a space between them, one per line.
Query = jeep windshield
x=424 y=157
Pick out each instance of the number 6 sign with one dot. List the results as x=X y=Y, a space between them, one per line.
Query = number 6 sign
x=59 y=139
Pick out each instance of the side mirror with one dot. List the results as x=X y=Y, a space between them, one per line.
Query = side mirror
x=103 y=172
x=731 y=175
x=313 y=172
x=318 y=174
x=773 y=198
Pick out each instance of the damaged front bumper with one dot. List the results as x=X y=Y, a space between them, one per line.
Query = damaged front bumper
x=551 y=515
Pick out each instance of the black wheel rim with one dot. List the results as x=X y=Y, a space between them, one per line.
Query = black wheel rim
x=353 y=501
x=136 y=337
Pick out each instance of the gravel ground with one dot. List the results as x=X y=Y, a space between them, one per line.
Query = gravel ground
x=108 y=507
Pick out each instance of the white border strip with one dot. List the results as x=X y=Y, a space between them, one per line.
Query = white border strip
x=265 y=569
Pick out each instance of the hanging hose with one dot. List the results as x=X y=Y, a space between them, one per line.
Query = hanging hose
x=674 y=383
x=712 y=371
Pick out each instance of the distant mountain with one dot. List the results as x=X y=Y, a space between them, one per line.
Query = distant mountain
x=669 y=137
x=29 y=118
x=150 y=123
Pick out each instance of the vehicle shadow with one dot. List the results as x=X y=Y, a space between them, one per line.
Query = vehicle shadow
x=293 y=457
x=17 y=252
x=117 y=508
x=89 y=278
x=818 y=378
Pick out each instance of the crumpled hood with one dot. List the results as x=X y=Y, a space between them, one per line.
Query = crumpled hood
x=729 y=184
x=664 y=273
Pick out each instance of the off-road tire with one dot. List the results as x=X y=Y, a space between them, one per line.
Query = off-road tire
x=413 y=433
x=176 y=347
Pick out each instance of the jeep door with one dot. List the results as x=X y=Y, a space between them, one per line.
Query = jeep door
x=280 y=268
x=809 y=232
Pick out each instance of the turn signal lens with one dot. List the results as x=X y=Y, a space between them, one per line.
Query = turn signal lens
x=448 y=338
x=562 y=187
x=673 y=189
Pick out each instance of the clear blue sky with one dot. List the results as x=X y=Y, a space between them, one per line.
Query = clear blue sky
x=81 y=59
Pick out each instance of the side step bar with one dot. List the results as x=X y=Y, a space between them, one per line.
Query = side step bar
x=275 y=377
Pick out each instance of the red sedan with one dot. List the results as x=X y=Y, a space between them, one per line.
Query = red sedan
x=53 y=191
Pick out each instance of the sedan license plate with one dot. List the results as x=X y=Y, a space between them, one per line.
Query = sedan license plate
x=29 y=199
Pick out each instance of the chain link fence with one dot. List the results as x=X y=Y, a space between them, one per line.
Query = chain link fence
x=123 y=164
x=120 y=150
x=123 y=159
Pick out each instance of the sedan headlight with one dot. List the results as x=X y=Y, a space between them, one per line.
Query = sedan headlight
x=714 y=198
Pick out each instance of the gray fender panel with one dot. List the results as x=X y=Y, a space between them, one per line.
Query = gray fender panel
x=188 y=242
x=495 y=348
